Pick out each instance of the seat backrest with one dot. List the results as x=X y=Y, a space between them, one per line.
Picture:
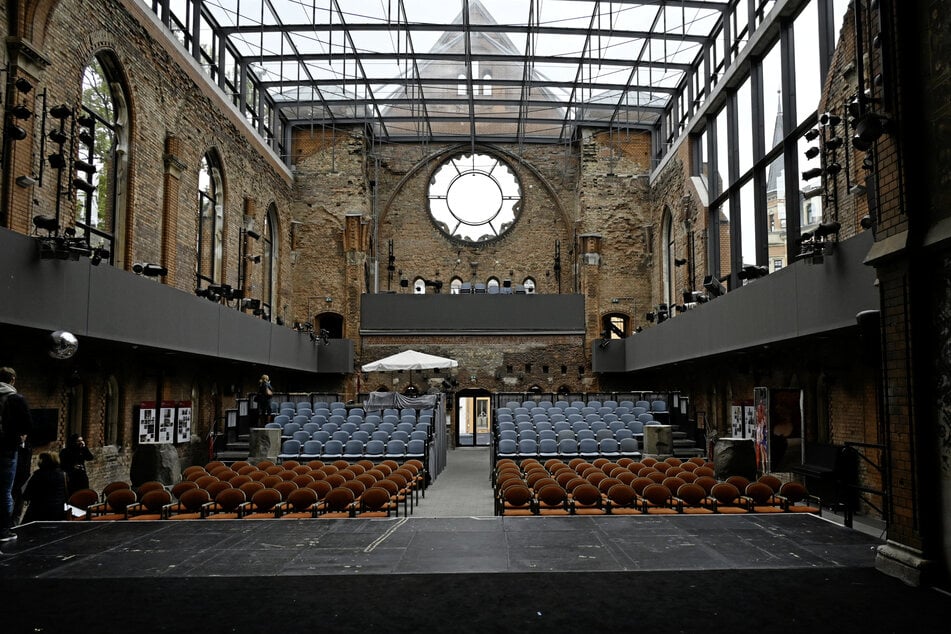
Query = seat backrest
x=374 y=448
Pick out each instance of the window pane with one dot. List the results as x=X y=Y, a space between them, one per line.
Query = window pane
x=746 y=126
x=725 y=241
x=776 y=212
x=808 y=81
x=723 y=154
x=748 y=224
x=772 y=98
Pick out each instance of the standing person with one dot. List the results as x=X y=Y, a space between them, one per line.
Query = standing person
x=265 y=392
x=14 y=426
x=46 y=491
x=73 y=459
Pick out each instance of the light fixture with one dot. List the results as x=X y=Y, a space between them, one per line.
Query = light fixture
x=827 y=118
x=15 y=132
x=251 y=304
x=834 y=143
x=58 y=136
x=20 y=111
x=25 y=181
x=254 y=235
x=254 y=259
x=812 y=173
x=752 y=272
x=23 y=85
x=98 y=255
x=812 y=152
x=61 y=112
x=713 y=286
x=680 y=261
x=827 y=229
x=83 y=166
x=149 y=270
x=48 y=224
x=812 y=134
x=84 y=185
x=867 y=131
x=57 y=161
x=832 y=169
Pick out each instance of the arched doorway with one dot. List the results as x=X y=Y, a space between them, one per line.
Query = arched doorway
x=473 y=418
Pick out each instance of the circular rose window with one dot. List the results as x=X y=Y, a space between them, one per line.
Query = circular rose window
x=474 y=197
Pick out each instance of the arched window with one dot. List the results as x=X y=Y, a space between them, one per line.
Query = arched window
x=487 y=87
x=529 y=285
x=454 y=285
x=269 y=261
x=419 y=286
x=668 y=260
x=102 y=158
x=210 y=221
x=332 y=323
x=492 y=285
x=615 y=326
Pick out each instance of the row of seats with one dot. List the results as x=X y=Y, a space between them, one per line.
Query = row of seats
x=264 y=490
x=353 y=449
x=626 y=487
x=567 y=448
x=608 y=406
x=345 y=431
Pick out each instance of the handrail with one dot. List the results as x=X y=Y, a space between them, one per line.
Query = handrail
x=854 y=446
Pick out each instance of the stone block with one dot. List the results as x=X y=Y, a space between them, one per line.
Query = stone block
x=263 y=444
x=658 y=440
x=155 y=462
x=734 y=456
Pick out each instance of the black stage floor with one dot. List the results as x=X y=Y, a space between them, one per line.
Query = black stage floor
x=776 y=572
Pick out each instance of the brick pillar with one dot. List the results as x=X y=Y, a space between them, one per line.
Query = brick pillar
x=171 y=183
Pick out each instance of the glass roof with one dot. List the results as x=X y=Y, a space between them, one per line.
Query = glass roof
x=526 y=70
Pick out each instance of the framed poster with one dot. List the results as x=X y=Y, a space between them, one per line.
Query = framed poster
x=183 y=422
x=761 y=436
x=166 y=423
x=243 y=407
x=148 y=428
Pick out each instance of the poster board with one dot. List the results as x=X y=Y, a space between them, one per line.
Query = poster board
x=736 y=421
x=166 y=423
x=148 y=426
x=183 y=421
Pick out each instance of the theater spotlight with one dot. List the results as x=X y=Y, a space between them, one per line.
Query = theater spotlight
x=254 y=259
x=827 y=229
x=812 y=173
x=98 y=255
x=58 y=136
x=251 y=304
x=812 y=134
x=832 y=169
x=254 y=235
x=57 y=161
x=680 y=261
x=61 y=112
x=812 y=152
x=650 y=316
x=20 y=111
x=149 y=270
x=84 y=185
x=752 y=272
x=46 y=223
x=867 y=131
x=713 y=286
x=83 y=166
x=22 y=85
x=827 y=118
x=834 y=143
x=15 y=132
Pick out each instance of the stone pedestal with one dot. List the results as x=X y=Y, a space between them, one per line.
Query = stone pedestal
x=734 y=456
x=155 y=462
x=658 y=440
x=263 y=444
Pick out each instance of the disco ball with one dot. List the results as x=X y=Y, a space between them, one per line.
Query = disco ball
x=63 y=344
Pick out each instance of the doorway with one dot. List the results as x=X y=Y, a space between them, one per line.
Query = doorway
x=473 y=417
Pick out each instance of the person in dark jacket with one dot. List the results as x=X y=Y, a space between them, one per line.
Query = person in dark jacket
x=46 y=491
x=72 y=460
x=15 y=424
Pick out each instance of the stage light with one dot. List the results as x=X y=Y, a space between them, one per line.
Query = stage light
x=752 y=272
x=827 y=229
x=15 y=132
x=680 y=261
x=254 y=235
x=832 y=169
x=812 y=134
x=834 y=143
x=84 y=185
x=61 y=112
x=58 y=136
x=812 y=152
x=20 y=111
x=254 y=259
x=22 y=85
x=48 y=224
x=827 y=118
x=149 y=270
x=83 y=166
x=812 y=173
x=713 y=286
x=867 y=131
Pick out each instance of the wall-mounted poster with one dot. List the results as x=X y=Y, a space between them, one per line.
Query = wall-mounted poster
x=736 y=421
x=761 y=437
x=148 y=429
x=166 y=423
x=183 y=422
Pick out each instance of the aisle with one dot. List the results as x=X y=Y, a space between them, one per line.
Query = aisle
x=463 y=489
